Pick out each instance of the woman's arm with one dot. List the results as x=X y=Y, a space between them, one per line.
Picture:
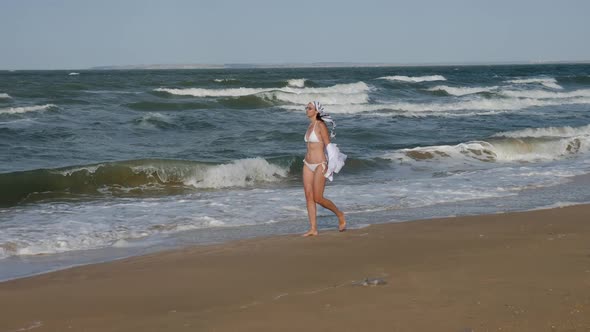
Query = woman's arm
x=324 y=134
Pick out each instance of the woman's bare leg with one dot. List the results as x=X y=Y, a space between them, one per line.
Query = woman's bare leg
x=311 y=207
x=319 y=183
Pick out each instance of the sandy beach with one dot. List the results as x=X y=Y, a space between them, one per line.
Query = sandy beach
x=527 y=271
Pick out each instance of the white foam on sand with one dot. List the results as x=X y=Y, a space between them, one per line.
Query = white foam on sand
x=557 y=205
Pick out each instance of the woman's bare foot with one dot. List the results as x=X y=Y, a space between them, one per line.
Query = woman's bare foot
x=311 y=232
x=341 y=222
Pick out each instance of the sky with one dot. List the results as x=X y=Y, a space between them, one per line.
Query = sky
x=78 y=34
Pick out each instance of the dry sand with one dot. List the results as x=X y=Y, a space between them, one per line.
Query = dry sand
x=525 y=271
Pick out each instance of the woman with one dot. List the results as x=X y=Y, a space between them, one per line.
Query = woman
x=316 y=166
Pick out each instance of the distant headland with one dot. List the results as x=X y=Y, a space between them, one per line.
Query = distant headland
x=324 y=65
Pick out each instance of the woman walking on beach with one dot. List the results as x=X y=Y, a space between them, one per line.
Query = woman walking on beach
x=316 y=166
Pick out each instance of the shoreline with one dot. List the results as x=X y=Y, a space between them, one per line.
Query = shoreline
x=147 y=250
x=519 y=271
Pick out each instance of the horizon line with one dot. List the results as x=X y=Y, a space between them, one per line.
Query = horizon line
x=322 y=64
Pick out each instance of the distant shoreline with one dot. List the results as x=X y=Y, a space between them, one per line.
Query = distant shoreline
x=309 y=65
x=327 y=65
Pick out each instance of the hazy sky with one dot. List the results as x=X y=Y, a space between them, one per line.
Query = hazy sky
x=52 y=34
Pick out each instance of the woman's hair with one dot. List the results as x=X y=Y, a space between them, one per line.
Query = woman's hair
x=318 y=117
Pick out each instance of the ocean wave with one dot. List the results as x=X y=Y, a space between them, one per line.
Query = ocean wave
x=507 y=150
x=529 y=145
x=5 y=96
x=73 y=74
x=239 y=173
x=483 y=106
x=221 y=80
x=327 y=98
x=121 y=92
x=296 y=83
x=25 y=109
x=159 y=106
x=154 y=120
x=337 y=94
x=200 y=92
x=562 y=132
x=533 y=94
x=139 y=177
x=415 y=79
x=545 y=81
x=246 y=102
x=462 y=91
x=542 y=94
x=74 y=235
x=577 y=79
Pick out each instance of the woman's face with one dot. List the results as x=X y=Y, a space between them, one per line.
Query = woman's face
x=310 y=110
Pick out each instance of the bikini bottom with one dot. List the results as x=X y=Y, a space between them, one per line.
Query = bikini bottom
x=312 y=167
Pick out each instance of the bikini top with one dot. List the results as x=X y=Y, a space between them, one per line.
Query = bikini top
x=313 y=138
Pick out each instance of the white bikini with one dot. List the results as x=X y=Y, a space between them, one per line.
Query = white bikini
x=313 y=138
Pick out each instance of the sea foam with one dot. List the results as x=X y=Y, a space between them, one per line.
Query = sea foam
x=25 y=109
x=415 y=79
x=565 y=131
x=481 y=106
x=542 y=94
x=239 y=173
x=296 y=82
x=338 y=94
x=529 y=145
x=545 y=81
x=462 y=91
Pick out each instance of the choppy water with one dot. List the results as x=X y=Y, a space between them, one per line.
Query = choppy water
x=96 y=165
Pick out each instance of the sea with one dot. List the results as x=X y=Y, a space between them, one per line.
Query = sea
x=98 y=165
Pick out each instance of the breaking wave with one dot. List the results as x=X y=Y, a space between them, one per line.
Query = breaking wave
x=480 y=106
x=542 y=94
x=138 y=177
x=25 y=109
x=529 y=145
x=462 y=91
x=353 y=93
x=548 y=82
x=296 y=83
x=566 y=131
x=416 y=79
x=221 y=80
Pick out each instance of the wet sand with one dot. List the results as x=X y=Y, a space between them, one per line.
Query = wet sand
x=526 y=271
